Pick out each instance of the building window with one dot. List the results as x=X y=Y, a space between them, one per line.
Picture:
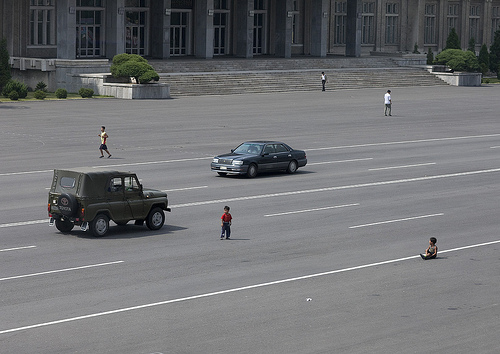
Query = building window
x=297 y=37
x=340 y=21
x=89 y=28
x=452 y=18
x=495 y=21
x=391 y=20
x=474 y=19
x=368 y=23
x=42 y=22
x=136 y=26
x=430 y=24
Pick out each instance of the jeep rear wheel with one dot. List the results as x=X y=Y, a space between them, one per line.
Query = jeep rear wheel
x=156 y=219
x=100 y=225
x=64 y=225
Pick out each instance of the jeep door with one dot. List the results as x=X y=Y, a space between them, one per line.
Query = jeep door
x=115 y=197
x=134 y=197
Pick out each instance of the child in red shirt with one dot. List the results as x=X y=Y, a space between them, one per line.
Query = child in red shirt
x=226 y=224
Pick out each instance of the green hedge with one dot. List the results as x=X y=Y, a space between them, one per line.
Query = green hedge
x=19 y=87
x=458 y=60
x=133 y=65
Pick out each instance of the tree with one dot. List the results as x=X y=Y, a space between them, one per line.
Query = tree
x=458 y=60
x=453 y=42
x=133 y=65
x=430 y=57
x=5 y=74
x=484 y=59
x=472 y=45
x=495 y=52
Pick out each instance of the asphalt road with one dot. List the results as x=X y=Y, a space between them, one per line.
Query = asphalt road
x=321 y=261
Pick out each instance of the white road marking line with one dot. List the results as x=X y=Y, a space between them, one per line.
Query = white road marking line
x=396 y=220
x=494 y=147
x=328 y=189
x=310 y=210
x=60 y=270
x=183 y=189
x=222 y=292
x=24 y=173
x=405 y=142
x=17 y=248
x=154 y=162
x=21 y=223
x=403 y=166
x=340 y=161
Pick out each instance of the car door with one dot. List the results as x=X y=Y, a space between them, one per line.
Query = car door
x=134 y=196
x=284 y=156
x=115 y=197
x=268 y=158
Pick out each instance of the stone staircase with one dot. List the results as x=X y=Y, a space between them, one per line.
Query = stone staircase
x=191 y=77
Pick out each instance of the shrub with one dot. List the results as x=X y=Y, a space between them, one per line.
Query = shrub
x=5 y=74
x=19 y=87
x=495 y=52
x=41 y=86
x=484 y=59
x=415 y=49
x=486 y=81
x=133 y=65
x=13 y=95
x=86 y=92
x=61 y=93
x=40 y=95
x=453 y=42
x=458 y=60
x=430 y=57
x=472 y=45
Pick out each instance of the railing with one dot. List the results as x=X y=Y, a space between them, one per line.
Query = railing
x=32 y=64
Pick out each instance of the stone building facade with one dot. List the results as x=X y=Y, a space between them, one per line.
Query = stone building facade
x=99 y=29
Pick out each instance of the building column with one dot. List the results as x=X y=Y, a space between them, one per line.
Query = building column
x=488 y=8
x=66 y=29
x=204 y=29
x=160 y=26
x=283 y=34
x=244 y=28
x=464 y=33
x=353 y=28
x=319 y=27
x=115 y=28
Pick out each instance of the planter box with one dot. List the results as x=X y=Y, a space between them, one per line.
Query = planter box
x=460 y=78
x=101 y=85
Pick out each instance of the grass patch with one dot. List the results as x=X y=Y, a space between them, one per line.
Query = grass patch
x=50 y=96
x=490 y=80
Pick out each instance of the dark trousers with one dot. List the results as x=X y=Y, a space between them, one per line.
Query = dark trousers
x=226 y=228
x=323 y=82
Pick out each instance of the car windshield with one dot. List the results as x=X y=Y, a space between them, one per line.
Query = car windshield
x=249 y=148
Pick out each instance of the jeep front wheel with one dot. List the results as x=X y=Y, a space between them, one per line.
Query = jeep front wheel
x=155 y=219
x=100 y=225
x=64 y=225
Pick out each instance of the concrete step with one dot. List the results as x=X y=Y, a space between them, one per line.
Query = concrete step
x=199 y=83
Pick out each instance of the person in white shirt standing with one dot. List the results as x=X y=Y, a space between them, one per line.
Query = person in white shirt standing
x=324 y=80
x=388 y=102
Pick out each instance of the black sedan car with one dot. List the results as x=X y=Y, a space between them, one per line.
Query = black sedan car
x=253 y=157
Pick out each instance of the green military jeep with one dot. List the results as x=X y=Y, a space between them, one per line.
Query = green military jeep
x=90 y=198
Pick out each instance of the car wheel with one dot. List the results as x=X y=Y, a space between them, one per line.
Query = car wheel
x=292 y=167
x=64 y=225
x=252 y=170
x=100 y=225
x=222 y=173
x=155 y=219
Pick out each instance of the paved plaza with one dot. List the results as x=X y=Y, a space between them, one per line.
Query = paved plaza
x=321 y=261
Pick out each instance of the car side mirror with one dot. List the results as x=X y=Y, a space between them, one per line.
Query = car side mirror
x=140 y=187
x=265 y=154
x=232 y=150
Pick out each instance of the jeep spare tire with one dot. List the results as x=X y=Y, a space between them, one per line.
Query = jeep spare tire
x=67 y=204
